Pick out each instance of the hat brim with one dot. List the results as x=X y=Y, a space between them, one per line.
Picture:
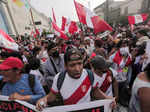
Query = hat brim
x=4 y=67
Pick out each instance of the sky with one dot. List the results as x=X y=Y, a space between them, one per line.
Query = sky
x=62 y=7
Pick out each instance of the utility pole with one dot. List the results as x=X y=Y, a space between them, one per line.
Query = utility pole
x=107 y=10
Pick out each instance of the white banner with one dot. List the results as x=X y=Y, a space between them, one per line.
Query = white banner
x=21 y=106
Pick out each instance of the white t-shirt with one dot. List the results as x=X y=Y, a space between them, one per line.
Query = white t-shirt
x=75 y=91
x=106 y=80
x=38 y=74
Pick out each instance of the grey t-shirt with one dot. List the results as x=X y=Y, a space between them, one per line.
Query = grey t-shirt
x=134 y=101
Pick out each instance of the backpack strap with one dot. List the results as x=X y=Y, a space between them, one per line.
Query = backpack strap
x=60 y=80
x=91 y=76
x=31 y=80
x=62 y=75
x=2 y=83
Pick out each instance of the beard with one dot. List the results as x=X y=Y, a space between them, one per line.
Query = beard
x=55 y=54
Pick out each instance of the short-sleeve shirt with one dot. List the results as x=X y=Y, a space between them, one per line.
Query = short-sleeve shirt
x=75 y=91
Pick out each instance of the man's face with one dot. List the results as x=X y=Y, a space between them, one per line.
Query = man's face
x=74 y=68
x=8 y=75
x=51 y=51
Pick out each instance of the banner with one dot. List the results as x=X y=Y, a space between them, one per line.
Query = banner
x=15 y=106
x=21 y=106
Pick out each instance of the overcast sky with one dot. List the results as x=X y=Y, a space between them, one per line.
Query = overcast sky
x=62 y=7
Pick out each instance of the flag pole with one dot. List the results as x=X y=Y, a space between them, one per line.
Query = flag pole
x=33 y=20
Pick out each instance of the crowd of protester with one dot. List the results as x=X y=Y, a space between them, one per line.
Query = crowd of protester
x=53 y=71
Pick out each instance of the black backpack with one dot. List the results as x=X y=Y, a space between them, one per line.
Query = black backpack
x=31 y=79
x=60 y=80
x=62 y=75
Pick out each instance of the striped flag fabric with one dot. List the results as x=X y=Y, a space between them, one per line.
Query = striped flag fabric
x=59 y=32
x=69 y=25
x=138 y=18
x=90 y=19
x=7 y=42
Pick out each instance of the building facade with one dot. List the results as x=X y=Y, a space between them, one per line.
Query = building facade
x=116 y=10
x=4 y=22
x=18 y=20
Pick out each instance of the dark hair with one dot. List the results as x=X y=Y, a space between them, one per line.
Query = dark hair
x=35 y=50
x=34 y=63
x=15 y=54
x=4 y=54
x=147 y=70
x=98 y=43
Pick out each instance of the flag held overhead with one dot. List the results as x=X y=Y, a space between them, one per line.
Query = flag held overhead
x=90 y=19
x=69 y=26
x=7 y=42
x=138 y=18
x=59 y=32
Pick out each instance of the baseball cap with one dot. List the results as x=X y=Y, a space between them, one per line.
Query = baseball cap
x=72 y=55
x=10 y=63
x=99 y=62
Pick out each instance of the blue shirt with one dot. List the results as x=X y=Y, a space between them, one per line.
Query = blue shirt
x=22 y=87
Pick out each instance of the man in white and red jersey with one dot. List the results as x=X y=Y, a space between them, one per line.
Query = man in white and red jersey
x=106 y=76
x=77 y=83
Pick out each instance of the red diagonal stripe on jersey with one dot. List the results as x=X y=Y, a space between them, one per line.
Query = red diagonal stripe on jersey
x=106 y=83
x=79 y=93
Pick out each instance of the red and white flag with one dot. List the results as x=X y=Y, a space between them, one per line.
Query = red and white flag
x=69 y=26
x=59 y=32
x=7 y=42
x=90 y=19
x=54 y=18
x=139 y=18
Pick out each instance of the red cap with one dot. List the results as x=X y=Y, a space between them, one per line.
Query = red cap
x=10 y=63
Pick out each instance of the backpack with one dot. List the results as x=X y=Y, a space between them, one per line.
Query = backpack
x=62 y=75
x=31 y=79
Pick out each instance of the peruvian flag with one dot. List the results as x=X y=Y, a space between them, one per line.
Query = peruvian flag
x=69 y=26
x=139 y=18
x=54 y=18
x=7 y=42
x=59 y=32
x=91 y=19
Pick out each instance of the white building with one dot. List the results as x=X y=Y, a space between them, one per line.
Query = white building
x=17 y=20
x=131 y=7
x=120 y=8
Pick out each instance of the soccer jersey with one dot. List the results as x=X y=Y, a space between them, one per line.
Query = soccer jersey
x=74 y=91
